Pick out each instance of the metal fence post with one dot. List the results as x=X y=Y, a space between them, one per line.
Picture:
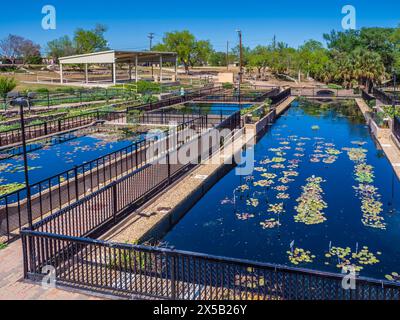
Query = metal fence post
x=115 y=202
x=48 y=99
x=76 y=183
x=173 y=278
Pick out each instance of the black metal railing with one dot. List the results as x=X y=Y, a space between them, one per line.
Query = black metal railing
x=50 y=127
x=65 y=188
x=245 y=97
x=279 y=98
x=175 y=100
x=386 y=97
x=132 y=270
x=48 y=99
x=396 y=128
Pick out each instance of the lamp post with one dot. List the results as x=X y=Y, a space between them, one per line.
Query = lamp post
x=21 y=102
x=241 y=66
x=394 y=90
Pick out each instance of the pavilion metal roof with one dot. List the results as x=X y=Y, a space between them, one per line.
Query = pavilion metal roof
x=117 y=56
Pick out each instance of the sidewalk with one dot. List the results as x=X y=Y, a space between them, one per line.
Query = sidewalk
x=14 y=287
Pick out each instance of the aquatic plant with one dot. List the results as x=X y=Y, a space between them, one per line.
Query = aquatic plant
x=285 y=180
x=299 y=255
x=290 y=173
x=260 y=169
x=344 y=257
x=364 y=173
x=330 y=160
x=270 y=223
x=278 y=159
x=10 y=187
x=315 y=127
x=333 y=151
x=243 y=188
x=269 y=176
x=310 y=203
x=263 y=183
x=252 y=202
x=394 y=276
x=278 y=166
x=281 y=188
x=244 y=216
x=276 y=208
x=357 y=154
x=283 y=196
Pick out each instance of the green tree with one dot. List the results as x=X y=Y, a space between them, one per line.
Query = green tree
x=87 y=41
x=6 y=85
x=60 y=47
x=190 y=50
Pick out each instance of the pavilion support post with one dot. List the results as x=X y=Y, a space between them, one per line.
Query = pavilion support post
x=136 y=68
x=161 y=72
x=114 y=73
x=86 y=74
x=130 y=71
x=61 y=74
x=176 y=68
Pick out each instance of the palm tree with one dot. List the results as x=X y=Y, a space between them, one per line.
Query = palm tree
x=370 y=68
x=6 y=86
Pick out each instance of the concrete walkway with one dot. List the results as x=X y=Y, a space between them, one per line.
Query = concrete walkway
x=384 y=139
x=13 y=286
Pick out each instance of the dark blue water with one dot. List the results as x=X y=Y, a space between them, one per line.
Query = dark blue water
x=209 y=108
x=53 y=159
x=213 y=227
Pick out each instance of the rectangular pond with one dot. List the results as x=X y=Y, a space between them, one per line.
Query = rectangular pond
x=53 y=156
x=207 y=108
x=322 y=196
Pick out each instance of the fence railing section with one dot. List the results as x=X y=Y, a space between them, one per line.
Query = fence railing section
x=386 y=97
x=48 y=99
x=244 y=97
x=396 y=128
x=324 y=92
x=176 y=100
x=49 y=127
x=54 y=193
x=137 y=271
x=279 y=98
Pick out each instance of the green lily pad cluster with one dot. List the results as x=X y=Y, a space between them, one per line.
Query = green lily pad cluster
x=270 y=223
x=394 y=276
x=10 y=187
x=356 y=154
x=263 y=183
x=299 y=255
x=311 y=203
x=244 y=216
x=364 y=173
x=315 y=127
x=344 y=257
x=276 y=208
x=253 y=202
x=371 y=206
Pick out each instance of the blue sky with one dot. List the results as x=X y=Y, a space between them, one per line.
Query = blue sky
x=216 y=20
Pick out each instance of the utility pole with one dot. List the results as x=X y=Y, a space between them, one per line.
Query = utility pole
x=240 y=64
x=151 y=37
x=227 y=55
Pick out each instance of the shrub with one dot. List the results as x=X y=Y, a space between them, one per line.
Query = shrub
x=148 y=87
